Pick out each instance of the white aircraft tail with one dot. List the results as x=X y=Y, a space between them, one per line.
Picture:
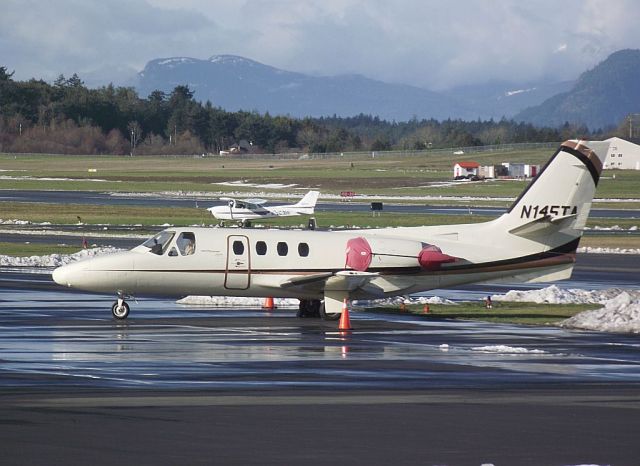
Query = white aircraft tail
x=553 y=210
x=307 y=204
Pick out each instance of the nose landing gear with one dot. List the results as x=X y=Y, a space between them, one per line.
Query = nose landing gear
x=120 y=309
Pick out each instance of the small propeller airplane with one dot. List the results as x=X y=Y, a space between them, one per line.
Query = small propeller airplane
x=535 y=240
x=245 y=210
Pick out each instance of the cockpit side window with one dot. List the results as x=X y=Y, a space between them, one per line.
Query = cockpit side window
x=186 y=243
x=158 y=244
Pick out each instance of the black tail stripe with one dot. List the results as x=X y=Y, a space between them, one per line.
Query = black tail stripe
x=584 y=159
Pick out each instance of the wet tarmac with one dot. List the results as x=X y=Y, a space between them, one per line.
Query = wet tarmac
x=201 y=385
x=163 y=345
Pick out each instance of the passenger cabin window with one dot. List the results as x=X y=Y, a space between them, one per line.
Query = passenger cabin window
x=238 y=248
x=303 y=249
x=261 y=248
x=186 y=243
x=283 y=248
x=158 y=244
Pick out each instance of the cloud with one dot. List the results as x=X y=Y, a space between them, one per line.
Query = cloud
x=428 y=43
x=43 y=39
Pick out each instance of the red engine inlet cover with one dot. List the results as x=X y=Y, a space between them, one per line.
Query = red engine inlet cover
x=358 y=254
x=431 y=257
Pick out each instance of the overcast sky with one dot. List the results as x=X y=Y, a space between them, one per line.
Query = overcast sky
x=428 y=43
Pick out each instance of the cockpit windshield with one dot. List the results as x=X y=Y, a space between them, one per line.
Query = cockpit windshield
x=158 y=244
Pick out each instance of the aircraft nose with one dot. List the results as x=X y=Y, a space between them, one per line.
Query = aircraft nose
x=64 y=275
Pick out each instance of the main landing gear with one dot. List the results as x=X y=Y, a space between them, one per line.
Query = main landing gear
x=315 y=308
x=120 y=309
x=309 y=308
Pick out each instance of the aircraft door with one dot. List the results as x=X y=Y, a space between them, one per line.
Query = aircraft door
x=238 y=271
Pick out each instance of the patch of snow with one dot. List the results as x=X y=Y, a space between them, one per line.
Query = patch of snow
x=519 y=91
x=86 y=234
x=33 y=178
x=235 y=301
x=255 y=185
x=397 y=300
x=172 y=62
x=556 y=295
x=54 y=260
x=231 y=60
x=591 y=250
x=504 y=349
x=620 y=314
x=621 y=311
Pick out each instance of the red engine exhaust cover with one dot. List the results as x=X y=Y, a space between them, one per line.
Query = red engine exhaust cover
x=432 y=257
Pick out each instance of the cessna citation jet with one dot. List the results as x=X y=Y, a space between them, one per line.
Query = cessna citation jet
x=251 y=209
x=535 y=240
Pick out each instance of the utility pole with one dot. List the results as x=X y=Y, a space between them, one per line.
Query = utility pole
x=631 y=117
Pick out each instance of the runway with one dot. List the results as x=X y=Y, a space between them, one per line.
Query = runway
x=106 y=198
x=182 y=385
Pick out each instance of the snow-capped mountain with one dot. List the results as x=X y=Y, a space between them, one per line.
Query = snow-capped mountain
x=237 y=83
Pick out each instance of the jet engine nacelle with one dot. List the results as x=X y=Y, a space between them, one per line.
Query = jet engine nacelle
x=365 y=253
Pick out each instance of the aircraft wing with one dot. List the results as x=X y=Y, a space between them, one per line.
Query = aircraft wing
x=255 y=201
x=343 y=280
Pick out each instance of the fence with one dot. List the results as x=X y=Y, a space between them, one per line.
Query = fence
x=396 y=153
x=359 y=154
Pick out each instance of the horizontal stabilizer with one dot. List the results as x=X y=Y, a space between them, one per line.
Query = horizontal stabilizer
x=542 y=226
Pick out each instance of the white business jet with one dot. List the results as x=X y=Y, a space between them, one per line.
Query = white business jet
x=535 y=240
x=245 y=210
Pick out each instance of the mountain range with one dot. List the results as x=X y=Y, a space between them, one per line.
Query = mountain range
x=600 y=97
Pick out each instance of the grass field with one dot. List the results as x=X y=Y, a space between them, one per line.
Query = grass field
x=65 y=214
x=382 y=175
x=502 y=312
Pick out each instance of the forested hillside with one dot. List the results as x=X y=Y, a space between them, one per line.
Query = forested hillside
x=605 y=94
x=67 y=117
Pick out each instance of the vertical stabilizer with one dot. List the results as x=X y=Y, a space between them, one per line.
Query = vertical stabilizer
x=555 y=206
x=307 y=204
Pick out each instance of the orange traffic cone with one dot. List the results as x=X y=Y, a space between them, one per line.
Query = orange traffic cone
x=268 y=303
x=345 y=323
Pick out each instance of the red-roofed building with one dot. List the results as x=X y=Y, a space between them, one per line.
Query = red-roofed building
x=465 y=169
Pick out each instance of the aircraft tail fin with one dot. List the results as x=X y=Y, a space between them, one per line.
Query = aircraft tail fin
x=308 y=202
x=555 y=206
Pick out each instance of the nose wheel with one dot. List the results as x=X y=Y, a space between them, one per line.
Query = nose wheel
x=120 y=309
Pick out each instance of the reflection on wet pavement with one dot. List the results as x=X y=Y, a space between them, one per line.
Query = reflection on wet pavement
x=55 y=337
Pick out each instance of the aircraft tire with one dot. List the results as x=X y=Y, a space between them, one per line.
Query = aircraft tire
x=314 y=308
x=120 y=312
x=303 y=308
x=328 y=316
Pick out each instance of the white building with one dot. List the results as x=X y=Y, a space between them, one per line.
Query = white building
x=622 y=155
x=465 y=169
x=487 y=171
x=521 y=170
